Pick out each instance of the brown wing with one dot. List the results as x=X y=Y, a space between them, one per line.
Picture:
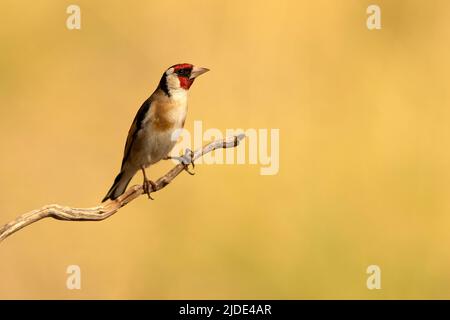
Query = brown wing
x=135 y=127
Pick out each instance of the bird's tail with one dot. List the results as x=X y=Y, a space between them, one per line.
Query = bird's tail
x=119 y=186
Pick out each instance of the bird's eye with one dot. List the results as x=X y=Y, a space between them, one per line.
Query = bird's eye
x=183 y=72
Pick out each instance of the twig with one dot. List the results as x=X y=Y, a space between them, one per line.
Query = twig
x=110 y=207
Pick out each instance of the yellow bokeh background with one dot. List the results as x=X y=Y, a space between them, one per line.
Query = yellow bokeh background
x=364 y=125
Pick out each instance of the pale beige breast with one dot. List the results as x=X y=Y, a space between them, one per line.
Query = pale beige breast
x=156 y=139
x=168 y=113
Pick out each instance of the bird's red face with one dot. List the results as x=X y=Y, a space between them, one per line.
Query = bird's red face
x=182 y=76
x=183 y=72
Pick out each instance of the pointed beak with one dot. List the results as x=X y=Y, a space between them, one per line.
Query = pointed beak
x=197 y=71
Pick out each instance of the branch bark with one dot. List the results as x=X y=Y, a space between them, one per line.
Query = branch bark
x=109 y=208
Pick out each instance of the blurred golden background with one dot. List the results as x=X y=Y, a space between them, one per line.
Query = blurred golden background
x=364 y=149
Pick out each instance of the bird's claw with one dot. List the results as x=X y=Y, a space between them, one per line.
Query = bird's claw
x=185 y=160
x=186 y=168
x=149 y=186
x=188 y=158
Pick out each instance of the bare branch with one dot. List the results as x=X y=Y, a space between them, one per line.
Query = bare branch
x=110 y=207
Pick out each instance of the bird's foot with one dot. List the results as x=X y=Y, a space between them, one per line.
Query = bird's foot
x=186 y=160
x=149 y=186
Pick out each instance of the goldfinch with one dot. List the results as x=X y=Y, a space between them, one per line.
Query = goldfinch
x=150 y=138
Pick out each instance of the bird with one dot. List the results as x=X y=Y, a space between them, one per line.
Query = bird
x=151 y=135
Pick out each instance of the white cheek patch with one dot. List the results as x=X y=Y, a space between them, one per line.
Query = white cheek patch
x=173 y=83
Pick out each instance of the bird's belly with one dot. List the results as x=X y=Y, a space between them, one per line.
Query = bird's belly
x=159 y=146
x=153 y=147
